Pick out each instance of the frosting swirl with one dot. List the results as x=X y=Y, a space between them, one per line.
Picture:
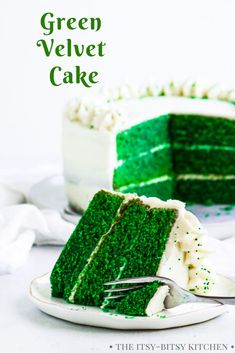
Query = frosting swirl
x=190 y=238
x=99 y=111
x=94 y=115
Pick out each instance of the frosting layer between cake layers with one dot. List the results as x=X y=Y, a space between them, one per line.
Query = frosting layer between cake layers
x=163 y=146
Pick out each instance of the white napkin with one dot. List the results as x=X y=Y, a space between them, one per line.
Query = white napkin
x=9 y=196
x=23 y=225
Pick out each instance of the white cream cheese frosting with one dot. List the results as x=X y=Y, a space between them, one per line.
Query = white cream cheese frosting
x=94 y=115
x=185 y=259
x=156 y=303
x=89 y=158
x=116 y=108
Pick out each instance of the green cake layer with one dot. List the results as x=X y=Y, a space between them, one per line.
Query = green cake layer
x=162 y=189
x=135 y=303
x=206 y=192
x=196 y=129
x=114 y=238
x=145 y=155
x=143 y=168
x=142 y=137
x=204 y=161
x=173 y=145
x=96 y=221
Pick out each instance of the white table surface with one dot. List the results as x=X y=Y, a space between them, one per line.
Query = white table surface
x=23 y=328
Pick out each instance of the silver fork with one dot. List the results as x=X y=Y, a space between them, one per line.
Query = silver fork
x=176 y=296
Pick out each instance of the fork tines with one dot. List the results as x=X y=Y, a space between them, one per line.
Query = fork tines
x=121 y=289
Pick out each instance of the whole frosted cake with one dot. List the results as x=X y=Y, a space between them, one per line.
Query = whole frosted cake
x=175 y=141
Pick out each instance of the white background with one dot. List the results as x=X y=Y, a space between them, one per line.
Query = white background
x=149 y=39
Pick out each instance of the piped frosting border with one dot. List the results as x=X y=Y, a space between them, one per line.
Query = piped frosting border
x=99 y=111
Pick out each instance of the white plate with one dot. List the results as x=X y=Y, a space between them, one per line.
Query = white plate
x=219 y=220
x=182 y=315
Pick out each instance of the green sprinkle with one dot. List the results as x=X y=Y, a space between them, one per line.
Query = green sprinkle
x=227 y=208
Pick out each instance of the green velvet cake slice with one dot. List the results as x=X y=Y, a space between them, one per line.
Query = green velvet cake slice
x=124 y=236
x=146 y=301
x=139 y=231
